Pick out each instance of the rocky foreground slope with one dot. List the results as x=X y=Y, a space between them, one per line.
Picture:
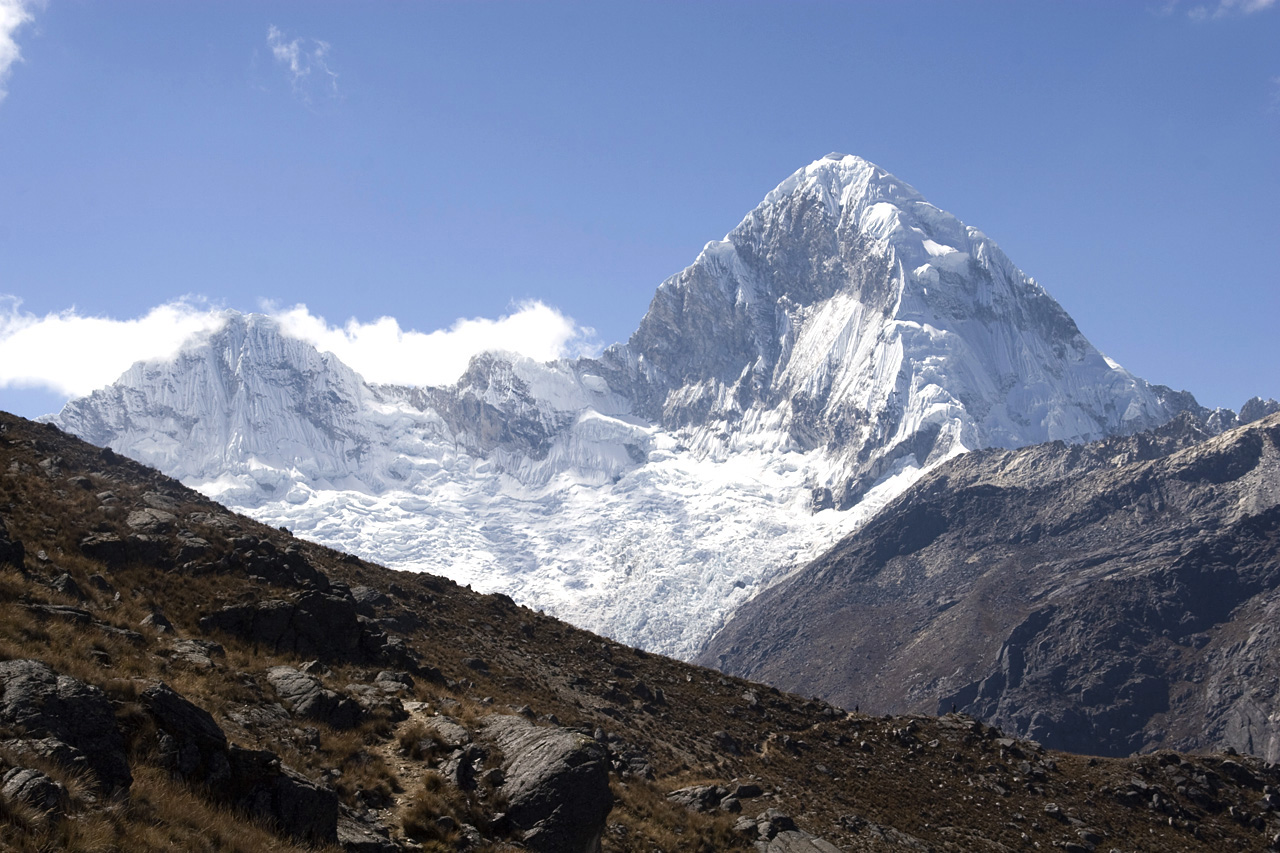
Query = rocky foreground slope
x=1108 y=598
x=175 y=676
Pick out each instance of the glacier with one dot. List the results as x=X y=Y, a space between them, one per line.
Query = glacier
x=844 y=338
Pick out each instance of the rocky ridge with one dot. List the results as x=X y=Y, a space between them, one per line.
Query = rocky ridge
x=1105 y=598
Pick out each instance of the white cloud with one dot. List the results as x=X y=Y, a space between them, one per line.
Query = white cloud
x=1228 y=8
x=306 y=61
x=73 y=354
x=381 y=351
x=13 y=14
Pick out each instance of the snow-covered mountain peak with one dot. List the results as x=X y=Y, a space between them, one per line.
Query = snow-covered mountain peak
x=843 y=338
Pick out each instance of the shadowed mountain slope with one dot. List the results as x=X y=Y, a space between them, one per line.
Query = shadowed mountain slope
x=1108 y=598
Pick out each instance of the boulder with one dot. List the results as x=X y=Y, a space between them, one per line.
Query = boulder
x=378 y=699
x=197 y=653
x=556 y=785
x=460 y=767
x=297 y=806
x=158 y=621
x=150 y=520
x=699 y=798
x=796 y=841
x=361 y=832
x=48 y=749
x=310 y=625
x=448 y=732
x=778 y=833
x=305 y=696
x=393 y=680
x=192 y=746
x=65 y=585
x=106 y=548
x=24 y=785
x=368 y=599
x=43 y=703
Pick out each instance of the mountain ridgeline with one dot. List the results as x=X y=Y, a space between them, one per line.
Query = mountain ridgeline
x=1106 y=598
x=843 y=339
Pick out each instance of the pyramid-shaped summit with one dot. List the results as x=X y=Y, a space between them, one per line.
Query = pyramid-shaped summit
x=848 y=313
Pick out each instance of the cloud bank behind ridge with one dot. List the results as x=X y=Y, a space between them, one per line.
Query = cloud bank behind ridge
x=72 y=354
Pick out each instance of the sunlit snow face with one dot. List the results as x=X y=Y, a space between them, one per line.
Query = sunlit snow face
x=647 y=493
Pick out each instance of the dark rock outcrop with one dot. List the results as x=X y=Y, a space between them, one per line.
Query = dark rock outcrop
x=557 y=785
x=306 y=696
x=11 y=551
x=38 y=701
x=310 y=624
x=35 y=789
x=192 y=745
x=107 y=548
x=296 y=805
x=194 y=748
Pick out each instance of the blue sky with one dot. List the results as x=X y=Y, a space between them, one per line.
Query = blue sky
x=552 y=163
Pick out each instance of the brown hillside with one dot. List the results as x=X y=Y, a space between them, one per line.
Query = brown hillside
x=348 y=705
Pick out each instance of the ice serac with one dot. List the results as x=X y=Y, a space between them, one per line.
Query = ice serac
x=845 y=337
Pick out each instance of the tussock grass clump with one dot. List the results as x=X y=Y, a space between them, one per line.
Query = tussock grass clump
x=649 y=821
x=164 y=815
x=421 y=818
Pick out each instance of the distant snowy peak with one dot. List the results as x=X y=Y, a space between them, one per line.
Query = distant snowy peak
x=845 y=337
x=243 y=397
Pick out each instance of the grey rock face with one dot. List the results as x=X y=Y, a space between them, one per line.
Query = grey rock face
x=1108 y=598
x=305 y=696
x=1256 y=408
x=312 y=624
x=193 y=746
x=37 y=790
x=298 y=806
x=108 y=548
x=49 y=749
x=42 y=703
x=557 y=785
